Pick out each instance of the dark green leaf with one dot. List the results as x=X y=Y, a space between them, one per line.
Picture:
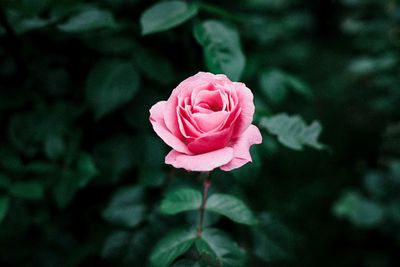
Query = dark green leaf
x=25 y=132
x=219 y=250
x=183 y=199
x=54 y=81
x=31 y=131
x=298 y=86
x=31 y=20
x=86 y=169
x=4 y=205
x=115 y=243
x=222 y=49
x=126 y=207
x=293 y=131
x=29 y=24
x=109 y=85
x=359 y=210
x=166 y=15
x=111 y=44
x=27 y=190
x=127 y=247
x=9 y=160
x=88 y=20
x=273 y=241
x=54 y=147
x=186 y=263
x=275 y=85
x=155 y=66
x=152 y=177
x=41 y=167
x=126 y=216
x=394 y=172
x=116 y=156
x=10 y=99
x=376 y=183
x=209 y=218
x=368 y=214
x=65 y=188
x=72 y=180
x=172 y=246
x=231 y=207
x=4 y=181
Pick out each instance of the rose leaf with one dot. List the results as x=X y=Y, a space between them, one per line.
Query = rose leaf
x=231 y=207
x=183 y=199
x=218 y=249
x=110 y=84
x=172 y=246
x=166 y=15
x=222 y=49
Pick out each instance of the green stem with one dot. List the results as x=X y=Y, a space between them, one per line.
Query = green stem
x=206 y=186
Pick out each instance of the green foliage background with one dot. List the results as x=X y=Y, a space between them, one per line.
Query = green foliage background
x=82 y=174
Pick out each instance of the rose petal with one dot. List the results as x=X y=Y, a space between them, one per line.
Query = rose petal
x=157 y=120
x=241 y=147
x=170 y=118
x=202 y=162
x=186 y=88
x=210 y=141
x=183 y=90
x=209 y=121
x=188 y=129
x=229 y=120
x=186 y=117
x=228 y=94
x=245 y=98
x=209 y=99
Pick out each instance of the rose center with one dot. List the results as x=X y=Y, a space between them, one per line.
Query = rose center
x=208 y=101
x=210 y=106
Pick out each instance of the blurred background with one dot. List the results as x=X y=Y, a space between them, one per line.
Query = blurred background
x=82 y=173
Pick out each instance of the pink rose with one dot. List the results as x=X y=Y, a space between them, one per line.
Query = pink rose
x=207 y=122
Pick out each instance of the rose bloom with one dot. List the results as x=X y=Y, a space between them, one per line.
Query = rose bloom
x=207 y=123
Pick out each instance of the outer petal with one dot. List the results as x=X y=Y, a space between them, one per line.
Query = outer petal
x=245 y=98
x=241 y=148
x=157 y=120
x=202 y=162
x=210 y=142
